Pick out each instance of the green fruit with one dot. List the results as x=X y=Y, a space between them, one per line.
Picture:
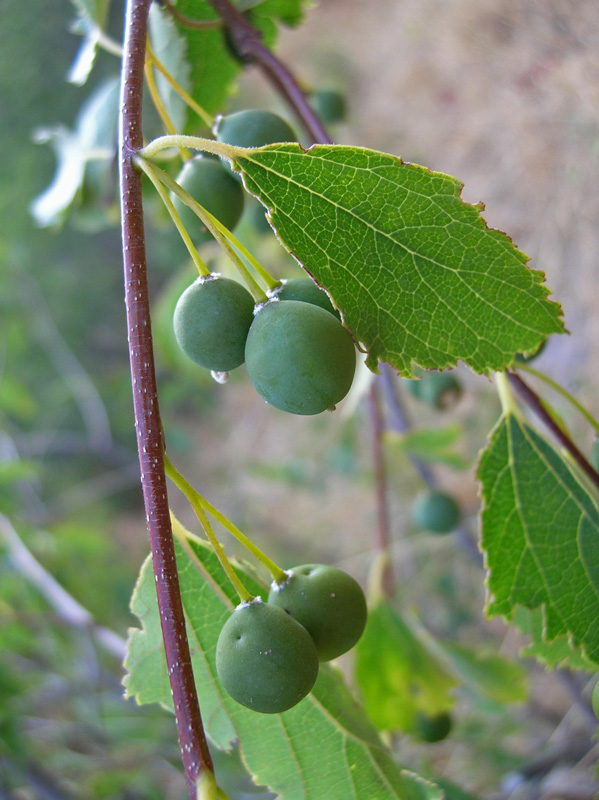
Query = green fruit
x=595 y=699
x=306 y=291
x=435 y=511
x=212 y=320
x=253 y=128
x=328 y=602
x=436 y=389
x=522 y=359
x=433 y=729
x=265 y=659
x=208 y=182
x=299 y=357
x=329 y=105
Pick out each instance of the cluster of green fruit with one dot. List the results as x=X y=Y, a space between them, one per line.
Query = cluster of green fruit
x=298 y=355
x=268 y=654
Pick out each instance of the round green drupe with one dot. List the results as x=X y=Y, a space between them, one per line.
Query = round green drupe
x=433 y=729
x=253 y=128
x=436 y=389
x=299 y=358
x=265 y=659
x=329 y=105
x=212 y=320
x=306 y=291
x=214 y=188
x=436 y=512
x=328 y=602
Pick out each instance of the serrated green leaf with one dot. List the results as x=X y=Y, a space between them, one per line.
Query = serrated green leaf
x=397 y=674
x=213 y=65
x=416 y=272
x=323 y=747
x=558 y=653
x=430 y=444
x=540 y=533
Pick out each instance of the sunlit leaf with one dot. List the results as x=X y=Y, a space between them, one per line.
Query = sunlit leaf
x=540 y=533
x=418 y=275
x=398 y=674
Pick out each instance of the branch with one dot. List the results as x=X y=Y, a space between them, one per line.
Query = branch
x=67 y=608
x=380 y=476
x=247 y=41
x=535 y=403
x=192 y=739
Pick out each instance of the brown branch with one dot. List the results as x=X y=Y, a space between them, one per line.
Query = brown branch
x=534 y=401
x=192 y=739
x=247 y=42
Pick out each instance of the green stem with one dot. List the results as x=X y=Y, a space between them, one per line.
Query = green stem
x=508 y=404
x=194 y=500
x=278 y=574
x=271 y=283
x=149 y=170
x=201 y=112
x=194 y=143
x=216 y=229
x=564 y=393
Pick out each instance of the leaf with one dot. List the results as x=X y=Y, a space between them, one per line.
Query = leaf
x=416 y=272
x=540 y=532
x=430 y=444
x=92 y=140
x=323 y=747
x=91 y=19
x=558 y=653
x=169 y=47
x=488 y=674
x=214 y=67
x=397 y=674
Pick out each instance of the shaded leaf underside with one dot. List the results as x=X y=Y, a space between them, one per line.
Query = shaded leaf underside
x=540 y=532
x=415 y=271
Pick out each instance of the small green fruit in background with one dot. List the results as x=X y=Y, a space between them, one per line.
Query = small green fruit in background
x=299 y=358
x=328 y=602
x=213 y=187
x=265 y=659
x=306 y=291
x=329 y=105
x=212 y=319
x=252 y=128
x=437 y=389
x=432 y=729
x=435 y=511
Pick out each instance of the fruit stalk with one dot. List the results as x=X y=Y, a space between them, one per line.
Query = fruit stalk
x=192 y=739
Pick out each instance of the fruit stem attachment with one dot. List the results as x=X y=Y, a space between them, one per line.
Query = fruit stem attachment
x=564 y=393
x=206 y=118
x=195 y=501
x=149 y=171
x=218 y=230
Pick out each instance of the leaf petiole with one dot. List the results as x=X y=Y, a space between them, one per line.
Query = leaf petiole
x=564 y=393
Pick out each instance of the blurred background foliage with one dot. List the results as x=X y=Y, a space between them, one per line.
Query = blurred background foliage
x=305 y=489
